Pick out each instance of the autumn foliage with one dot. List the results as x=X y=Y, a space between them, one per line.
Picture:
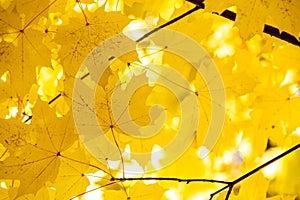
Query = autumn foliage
x=43 y=44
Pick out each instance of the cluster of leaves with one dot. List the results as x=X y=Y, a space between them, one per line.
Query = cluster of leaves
x=42 y=45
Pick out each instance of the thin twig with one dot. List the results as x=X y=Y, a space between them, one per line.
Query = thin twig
x=267 y=163
x=55 y=98
x=229 y=191
x=171 y=22
x=170 y=179
x=233 y=183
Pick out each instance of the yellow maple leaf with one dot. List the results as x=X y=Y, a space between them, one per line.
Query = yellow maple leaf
x=24 y=44
x=37 y=159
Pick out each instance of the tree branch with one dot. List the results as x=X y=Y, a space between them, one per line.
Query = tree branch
x=228 y=184
x=170 y=179
x=270 y=30
x=233 y=183
x=171 y=21
x=267 y=163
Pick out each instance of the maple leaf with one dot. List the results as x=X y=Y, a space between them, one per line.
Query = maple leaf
x=22 y=47
x=284 y=108
x=113 y=125
x=81 y=35
x=71 y=179
x=37 y=159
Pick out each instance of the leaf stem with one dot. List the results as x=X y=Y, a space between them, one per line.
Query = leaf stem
x=97 y=188
x=88 y=164
x=36 y=16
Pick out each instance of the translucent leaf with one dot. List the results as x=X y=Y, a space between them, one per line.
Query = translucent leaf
x=36 y=160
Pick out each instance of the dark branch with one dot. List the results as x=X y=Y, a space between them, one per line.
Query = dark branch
x=233 y=183
x=171 y=21
x=275 y=32
x=218 y=191
x=267 y=163
x=55 y=98
x=229 y=192
x=228 y=184
x=187 y=181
